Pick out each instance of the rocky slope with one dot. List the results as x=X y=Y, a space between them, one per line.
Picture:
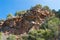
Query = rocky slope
x=31 y=20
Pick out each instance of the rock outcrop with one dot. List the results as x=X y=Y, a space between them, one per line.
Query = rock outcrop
x=32 y=19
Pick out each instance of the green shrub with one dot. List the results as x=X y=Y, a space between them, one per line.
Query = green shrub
x=11 y=37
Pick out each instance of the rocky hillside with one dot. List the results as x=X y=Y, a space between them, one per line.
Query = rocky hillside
x=30 y=20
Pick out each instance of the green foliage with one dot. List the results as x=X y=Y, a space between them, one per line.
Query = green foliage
x=20 y=13
x=2 y=20
x=46 y=8
x=0 y=36
x=38 y=6
x=52 y=24
x=25 y=37
x=58 y=13
x=11 y=37
x=41 y=34
x=9 y=16
x=54 y=11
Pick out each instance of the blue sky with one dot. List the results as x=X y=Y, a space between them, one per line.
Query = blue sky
x=11 y=6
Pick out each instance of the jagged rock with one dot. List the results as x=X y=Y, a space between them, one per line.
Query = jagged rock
x=32 y=19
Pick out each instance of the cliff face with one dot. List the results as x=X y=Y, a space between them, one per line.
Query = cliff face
x=32 y=19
